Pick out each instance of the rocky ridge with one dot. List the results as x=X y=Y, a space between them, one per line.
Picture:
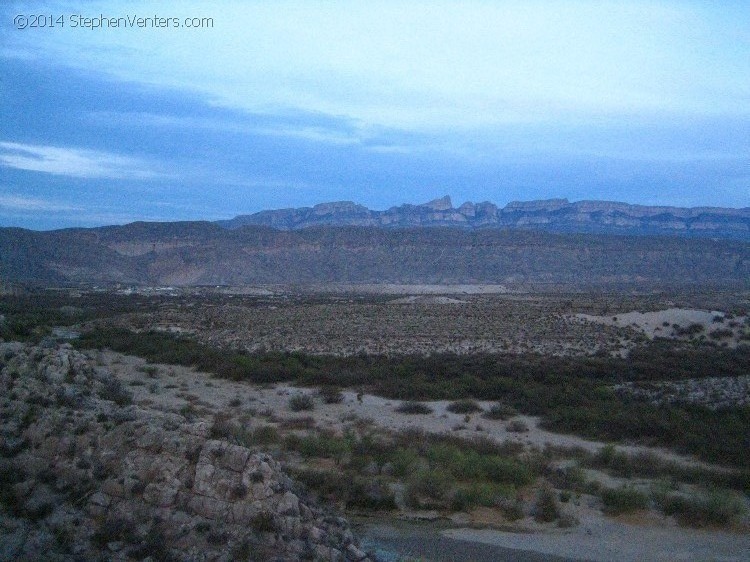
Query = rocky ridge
x=555 y=215
x=87 y=475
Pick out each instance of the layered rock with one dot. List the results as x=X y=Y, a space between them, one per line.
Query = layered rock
x=552 y=214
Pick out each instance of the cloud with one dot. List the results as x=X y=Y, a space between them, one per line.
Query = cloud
x=21 y=203
x=426 y=65
x=297 y=126
x=75 y=162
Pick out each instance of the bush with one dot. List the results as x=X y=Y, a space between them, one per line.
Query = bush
x=719 y=334
x=300 y=402
x=517 y=426
x=222 y=427
x=114 y=391
x=403 y=461
x=483 y=494
x=623 y=500
x=322 y=445
x=464 y=407
x=371 y=494
x=713 y=509
x=414 y=408
x=331 y=395
x=426 y=487
x=500 y=411
x=546 y=509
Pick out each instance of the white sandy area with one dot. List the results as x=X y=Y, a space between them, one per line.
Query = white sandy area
x=652 y=323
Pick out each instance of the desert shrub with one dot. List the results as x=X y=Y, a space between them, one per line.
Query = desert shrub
x=114 y=391
x=222 y=427
x=428 y=488
x=331 y=394
x=370 y=494
x=321 y=445
x=719 y=334
x=567 y=478
x=500 y=411
x=149 y=370
x=414 y=408
x=506 y=471
x=301 y=402
x=517 y=426
x=717 y=508
x=464 y=407
x=512 y=508
x=483 y=494
x=329 y=484
x=403 y=461
x=691 y=330
x=546 y=508
x=623 y=500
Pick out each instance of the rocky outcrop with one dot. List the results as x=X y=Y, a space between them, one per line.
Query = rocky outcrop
x=556 y=215
x=86 y=475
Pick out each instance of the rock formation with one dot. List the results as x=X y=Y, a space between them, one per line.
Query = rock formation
x=556 y=215
x=86 y=475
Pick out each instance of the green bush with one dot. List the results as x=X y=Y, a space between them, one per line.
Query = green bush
x=711 y=509
x=403 y=460
x=623 y=500
x=546 y=509
x=483 y=494
x=428 y=488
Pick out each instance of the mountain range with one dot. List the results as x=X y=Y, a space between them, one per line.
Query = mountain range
x=553 y=215
x=430 y=251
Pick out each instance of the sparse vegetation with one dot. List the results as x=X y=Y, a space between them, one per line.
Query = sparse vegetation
x=572 y=394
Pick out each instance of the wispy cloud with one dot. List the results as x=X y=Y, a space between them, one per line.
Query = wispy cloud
x=21 y=203
x=76 y=162
x=334 y=131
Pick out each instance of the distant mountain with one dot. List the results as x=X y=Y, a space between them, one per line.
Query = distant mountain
x=552 y=215
x=203 y=253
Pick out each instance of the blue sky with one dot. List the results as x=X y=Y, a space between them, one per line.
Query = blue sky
x=284 y=104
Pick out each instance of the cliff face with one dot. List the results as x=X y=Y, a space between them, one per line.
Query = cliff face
x=556 y=215
x=204 y=253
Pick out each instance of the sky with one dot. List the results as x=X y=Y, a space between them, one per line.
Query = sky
x=117 y=111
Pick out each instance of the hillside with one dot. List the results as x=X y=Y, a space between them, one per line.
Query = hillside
x=197 y=253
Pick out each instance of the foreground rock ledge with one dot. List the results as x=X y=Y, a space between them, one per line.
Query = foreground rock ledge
x=85 y=475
